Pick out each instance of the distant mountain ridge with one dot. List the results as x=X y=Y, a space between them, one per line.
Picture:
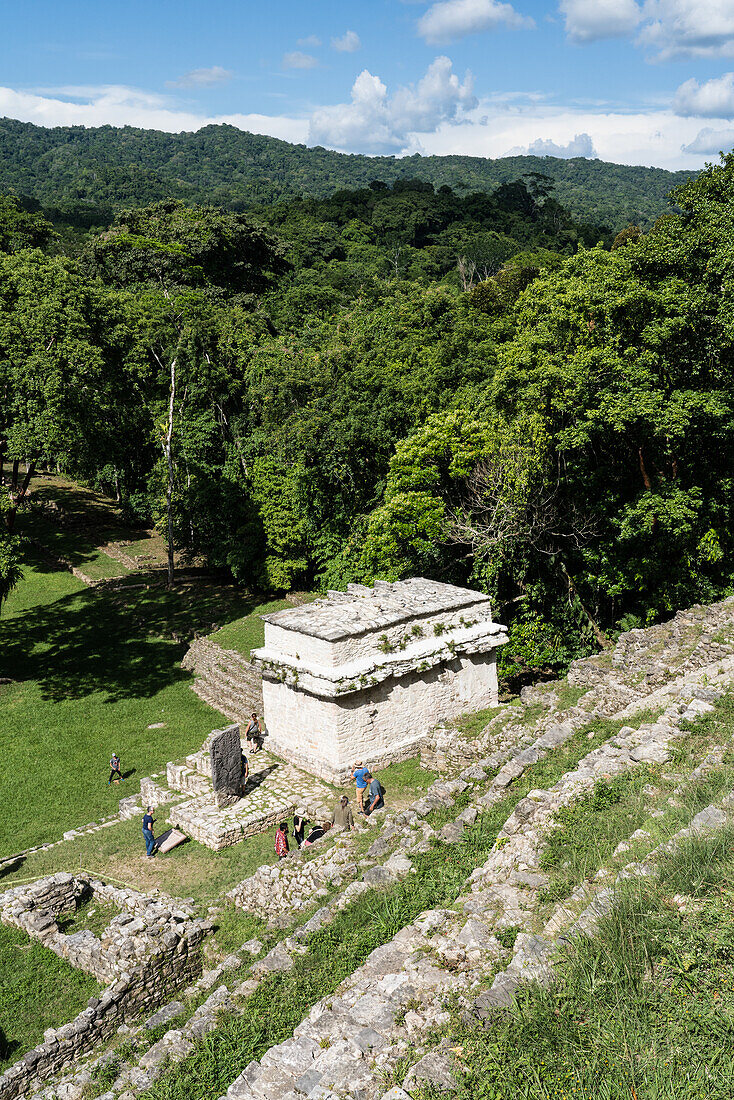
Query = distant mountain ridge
x=108 y=167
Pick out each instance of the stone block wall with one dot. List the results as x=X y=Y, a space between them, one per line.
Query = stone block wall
x=380 y=724
x=150 y=950
x=368 y=673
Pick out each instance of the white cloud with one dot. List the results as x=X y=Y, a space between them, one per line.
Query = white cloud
x=296 y=59
x=494 y=129
x=348 y=43
x=439 y=115
x=667 y=28
x=311 y=41
x=713 y=99
x=710 y=142
x=450 y=19
x=580 y=145
x=375 y=122
x=588 y=20
x=118 y=105
x=202 y=78
x=689 y=28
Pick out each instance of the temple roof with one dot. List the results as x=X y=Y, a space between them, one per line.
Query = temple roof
x=361 y=610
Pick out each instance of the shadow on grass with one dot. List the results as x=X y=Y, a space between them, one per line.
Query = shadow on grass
x=115 y=641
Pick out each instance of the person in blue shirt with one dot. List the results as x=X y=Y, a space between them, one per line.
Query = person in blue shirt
x=148 y=833
x=375 y=801
x=359 y=775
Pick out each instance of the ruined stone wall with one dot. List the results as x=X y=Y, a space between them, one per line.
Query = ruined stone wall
x=151 y=949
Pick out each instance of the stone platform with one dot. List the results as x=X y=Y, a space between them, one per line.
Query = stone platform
x=275 y=790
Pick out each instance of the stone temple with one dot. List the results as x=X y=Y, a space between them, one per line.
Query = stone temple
x=366 y=673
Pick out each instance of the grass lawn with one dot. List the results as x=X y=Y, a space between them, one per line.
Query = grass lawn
x=49 y=991
x=92 y=669
x=248 y=632
x=118 y=854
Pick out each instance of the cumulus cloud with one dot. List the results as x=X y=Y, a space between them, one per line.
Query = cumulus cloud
x=202 y=78
x=689 y=28
x=450 y=19
x=710 y=142
x=375 y=122
x=348 y=43
x=712 y=99
x=296 y=59
x=589 y=20
x=311 y=41
x=120 y=105
x=580 y=145
x=668 y=28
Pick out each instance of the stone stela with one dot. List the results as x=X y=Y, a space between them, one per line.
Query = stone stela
x=366 y=673
x=224 y=752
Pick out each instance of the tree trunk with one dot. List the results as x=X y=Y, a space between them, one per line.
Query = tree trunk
x=18 y=498
x=168 y=451
x=601 y=638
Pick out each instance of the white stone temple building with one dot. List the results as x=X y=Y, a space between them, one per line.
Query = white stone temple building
x=365 y=674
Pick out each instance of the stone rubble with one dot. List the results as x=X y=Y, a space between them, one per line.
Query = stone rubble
x=383 y=1013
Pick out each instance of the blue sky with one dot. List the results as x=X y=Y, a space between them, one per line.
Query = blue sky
x=634 y=81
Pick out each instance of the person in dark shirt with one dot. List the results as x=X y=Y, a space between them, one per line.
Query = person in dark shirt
x=148 y=833
x=115 y=772
x=299 y=829
x=244 y=771
x=375 y=801
x=316 y=833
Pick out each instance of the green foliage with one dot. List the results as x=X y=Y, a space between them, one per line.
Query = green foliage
x=469 y=384
x=84 y=172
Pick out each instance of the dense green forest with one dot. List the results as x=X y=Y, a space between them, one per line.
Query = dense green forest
x=85 y=175
x=395 y=380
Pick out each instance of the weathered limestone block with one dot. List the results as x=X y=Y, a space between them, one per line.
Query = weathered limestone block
x=367 y=674
x=224 y=751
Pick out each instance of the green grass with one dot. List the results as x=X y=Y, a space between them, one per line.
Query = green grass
x=116 y=854
x=336 y=951
x=644 y=1009
x=589 y=829
x=568 y=694
x=248 y=632
x=38 y=990
x=92 y=915
x=405 y=781
x=473 y=725
x=102 y=567
x=93 y=668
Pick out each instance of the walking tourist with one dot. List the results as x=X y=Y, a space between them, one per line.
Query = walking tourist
x=148 y=833
x=299 y=828
x=316 y=833
x=115 y=773
x=281 y=841
x=374 y=799
x=359 y=775
x=253 y=733
x=342 y=815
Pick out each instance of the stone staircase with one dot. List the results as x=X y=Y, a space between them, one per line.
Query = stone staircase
x=385 y=1014
x=224 y=679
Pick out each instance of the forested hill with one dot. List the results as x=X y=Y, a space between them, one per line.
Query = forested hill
x=90 y=173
